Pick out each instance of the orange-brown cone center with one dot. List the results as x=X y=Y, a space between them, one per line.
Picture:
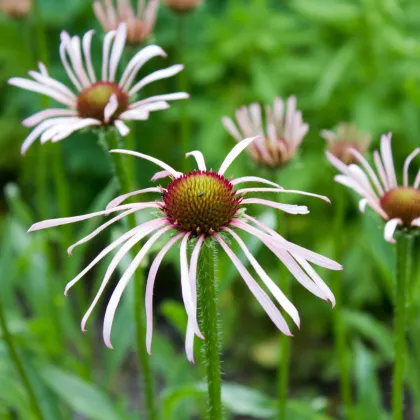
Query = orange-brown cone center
x=402 y=203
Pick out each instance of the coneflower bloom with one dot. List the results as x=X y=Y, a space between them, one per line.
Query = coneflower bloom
x=346 y=137
x=16 y=9
x=99 y=102
x=140 y=24
x=182 y=6
x=200 y=207
x=280 y=135
x=398 y=205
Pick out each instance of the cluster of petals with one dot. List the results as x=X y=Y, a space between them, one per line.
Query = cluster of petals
x=296 y=258
x=279 y=137
x=55 y=124
x=139 y=23
x=373 y=184
x=344 y=138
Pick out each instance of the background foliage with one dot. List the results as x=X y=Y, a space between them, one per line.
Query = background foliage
x=354 y=60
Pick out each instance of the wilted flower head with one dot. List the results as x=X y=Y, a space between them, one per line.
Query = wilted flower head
x=398 y=205
x=16 y=9
x=98 y=102
x=140 y=24
x=280 y=134
x=203 y=208
x=346 y=137
x=182 y=6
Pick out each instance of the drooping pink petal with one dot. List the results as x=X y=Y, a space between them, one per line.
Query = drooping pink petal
x=118 y=200
x=199 y=158
x=407 y=162
x=160 y=175
x=47 y=114
x=256 y=290
x=110 y=107
x=274 y=289
x=83 y=123
x=158 y=162
x=231 y=128
x=186 y=288
x=390 y=228
x=66 y=220
x=54 y=84
x=381 y=171
x=157 y=98
x=234 y=153
x=287 y=208
x=121 y=127
x=122 y=284
x=340 y=166
x=150 y=285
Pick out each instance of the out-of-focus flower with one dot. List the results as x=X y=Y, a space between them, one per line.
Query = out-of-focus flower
x=99 y=102
x=140 y=24
x=16 y=9
x=182 y=6
x=202 y=207
x=346 y=137
x=398 y=205
x=280 y=135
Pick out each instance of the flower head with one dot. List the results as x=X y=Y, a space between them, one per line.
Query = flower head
x=398 y=205
x=279 y=138
x=98 y=102
x=204 y=208
x=16 y=9
x=140 y=24
x=182 y=6
x=346 y=137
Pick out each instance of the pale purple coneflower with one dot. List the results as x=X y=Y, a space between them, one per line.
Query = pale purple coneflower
x=280 y=132
x=200 y=207
x=182 y=6
x=140 y=22
x=398 y=205
x=16 y=9
x=98 y=102
x=346 y=137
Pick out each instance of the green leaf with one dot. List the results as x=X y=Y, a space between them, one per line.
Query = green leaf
x=83 y=397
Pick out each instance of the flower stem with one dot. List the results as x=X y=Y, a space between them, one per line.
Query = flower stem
x=184 y=121
x=209 y=324
x=111 y=140
x=18 y=364
x=284 y=364
x=339 y=327
x=403 y=272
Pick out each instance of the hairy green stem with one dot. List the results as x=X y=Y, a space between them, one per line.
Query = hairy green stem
x=285 y=343
x=184 y=121
x=341 y=348
x=18 y=364
x=403 y=273
x=111 y=140
x=209 y=324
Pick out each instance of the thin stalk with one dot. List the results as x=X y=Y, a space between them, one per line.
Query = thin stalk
x=209 y=324
x=18 y=364
x=403 y=274
x=110 y=139
x=340 y=334
x=184 y=121
x=285 y=343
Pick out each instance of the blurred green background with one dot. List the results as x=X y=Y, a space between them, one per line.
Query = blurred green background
x=354 y=61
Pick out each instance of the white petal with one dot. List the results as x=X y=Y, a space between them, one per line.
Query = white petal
x=110 y=107
x=388 y=160
x=231 y=128
x=390 y=228
x=416 y=222
x=117 y=50
x=158 y=162
x=287 y=208
x=105 y=53
x=159 y=98
x=234 y=153
x=362 y=204
x=160 y=175
x=46 y=114
x=121 y=127
x=199 y=159
x=54 y=84
x=253 y=179
x=156 y=75
x=87 y=39
x=118 y=200
x=407 y=165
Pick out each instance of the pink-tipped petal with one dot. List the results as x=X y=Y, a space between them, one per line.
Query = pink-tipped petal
x=118 y=200
x=287 y=208
x=257 y=179
x=122 y=284
x=231 y=128
x=160 y=175
x=256 y=290
x=150 y=285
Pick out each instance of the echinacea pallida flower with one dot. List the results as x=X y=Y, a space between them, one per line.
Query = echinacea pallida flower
x=280 y=132
x=201 y=208
x=182 y=6
x=99 y=102
x=398 y=205
x=139 y=23
x=16 y=9
x=346 y=137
